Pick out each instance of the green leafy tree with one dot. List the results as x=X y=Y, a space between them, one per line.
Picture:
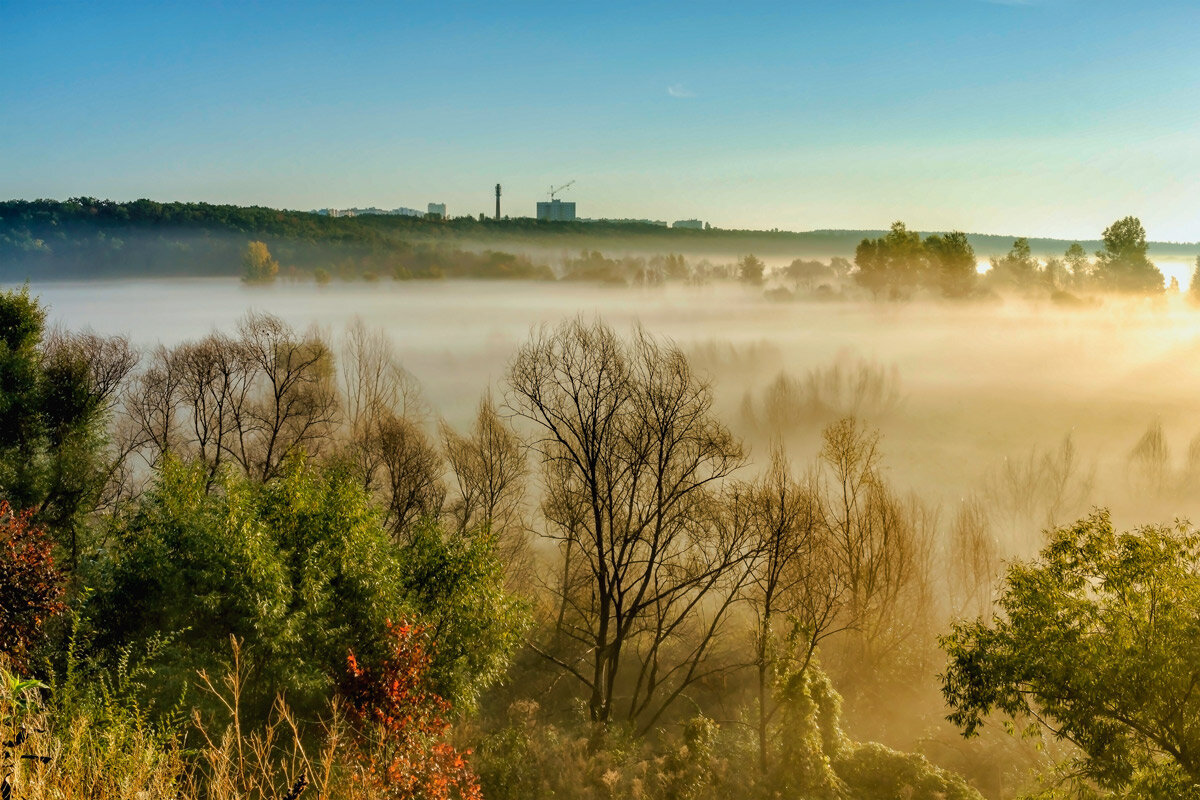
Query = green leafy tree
x=1098 y=644
x=298 y=568
x=22 y=425
x=455 y=586
x=953 y=262
x=750 y=269
x=1123 y=265
x=302 y=570
x=813 y=757
x=257 y=264
x=1017 y=269
x=1077 y=262
x=893 y=265
x=54 y=396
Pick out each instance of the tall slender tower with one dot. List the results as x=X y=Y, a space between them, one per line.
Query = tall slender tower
x=497 y=202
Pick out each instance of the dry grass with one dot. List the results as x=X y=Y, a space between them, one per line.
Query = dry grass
x=53 y=757
x=102 y=750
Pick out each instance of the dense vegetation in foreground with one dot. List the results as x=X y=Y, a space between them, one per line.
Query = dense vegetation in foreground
x=255 y=566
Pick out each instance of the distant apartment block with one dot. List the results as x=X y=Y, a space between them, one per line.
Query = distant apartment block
x=357 y=212
x=694 y=224
x=556 y=211
x=437 y=210
x=661 y=223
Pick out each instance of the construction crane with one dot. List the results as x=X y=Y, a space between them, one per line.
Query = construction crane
x=554 y=191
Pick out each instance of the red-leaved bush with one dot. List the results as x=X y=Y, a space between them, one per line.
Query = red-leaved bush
x=31 y=588
x=400 y=725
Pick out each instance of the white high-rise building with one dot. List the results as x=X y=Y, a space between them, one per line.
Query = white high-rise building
x=556 y=211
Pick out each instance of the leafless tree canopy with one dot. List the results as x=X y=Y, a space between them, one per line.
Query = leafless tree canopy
x=973 y=560
x=795 y=588
x=251 y=400
x=384 y=433
x=296 y=402
x=625 y=432
x=881 y=548
x=490 y=472
x=847 y=387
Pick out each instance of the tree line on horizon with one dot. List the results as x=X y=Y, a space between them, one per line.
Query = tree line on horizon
x=84 y=237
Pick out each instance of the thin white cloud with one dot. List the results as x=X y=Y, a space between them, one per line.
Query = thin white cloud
x=679 y=90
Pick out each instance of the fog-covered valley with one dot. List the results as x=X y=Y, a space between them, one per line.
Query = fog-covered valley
x=973 y=384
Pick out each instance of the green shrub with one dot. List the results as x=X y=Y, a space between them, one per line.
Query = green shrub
x=880 y=773
x=299 y=569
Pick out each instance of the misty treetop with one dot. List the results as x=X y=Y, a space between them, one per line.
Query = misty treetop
x=258 y=266
x=1123 y=264
x=901 y=263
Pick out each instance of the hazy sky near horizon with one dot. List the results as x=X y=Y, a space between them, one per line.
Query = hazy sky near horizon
x=1033 y=117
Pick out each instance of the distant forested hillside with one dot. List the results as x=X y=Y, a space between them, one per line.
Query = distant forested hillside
x=89 y=238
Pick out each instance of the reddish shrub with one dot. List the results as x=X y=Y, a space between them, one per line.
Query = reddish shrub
x=400 y=725
x=31 y=588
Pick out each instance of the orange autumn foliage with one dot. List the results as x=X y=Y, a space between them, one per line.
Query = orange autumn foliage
x=30 y=586
x=400 y=726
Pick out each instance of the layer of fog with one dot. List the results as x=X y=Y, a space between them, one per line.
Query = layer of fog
x=974 y=389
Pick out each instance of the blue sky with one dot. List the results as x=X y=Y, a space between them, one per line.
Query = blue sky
x=1046 y=117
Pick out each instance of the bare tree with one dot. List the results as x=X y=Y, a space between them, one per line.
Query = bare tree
x=796 y=589
x=846 y=387
x=295 y=404
x=151 y=403
x=627 y=431
x=1150 y=471
x=254 y=399
x=408 y=473
x=490 y=470
x=109 y=360
x=679 y=642
x=973 y=560
x=215 y=389
x=374 y=382
x=1039 y=491
x=85 y=375
x=881 y=547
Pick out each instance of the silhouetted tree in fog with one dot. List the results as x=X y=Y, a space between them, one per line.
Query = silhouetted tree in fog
x=1077 y=262
x=1194 y=286
x=490 y=470
x=750 y=269
x=892 y=266
x=953 y=260
x=796 y=589
x=1123 y=264
x=1017 y=269
x=626 y=432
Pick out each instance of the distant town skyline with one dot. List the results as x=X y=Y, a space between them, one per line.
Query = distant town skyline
x=1037 y=117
